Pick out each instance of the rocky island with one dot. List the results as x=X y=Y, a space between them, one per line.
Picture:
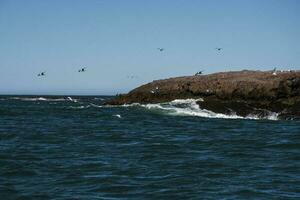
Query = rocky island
x=240 y=92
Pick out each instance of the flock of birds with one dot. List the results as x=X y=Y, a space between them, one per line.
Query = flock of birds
x=159 y=49
x=80 y=70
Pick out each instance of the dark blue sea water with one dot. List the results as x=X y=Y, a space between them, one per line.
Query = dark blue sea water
x=76 y=148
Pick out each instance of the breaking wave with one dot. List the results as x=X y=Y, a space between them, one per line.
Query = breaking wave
x=177 y=107
x=73 y=100
x=96 y=106
x=79 y=107
x=29 y=98
x=117 y=115
x=98 y=98
x=43 y=99
x=189 y=107
x=270 y=116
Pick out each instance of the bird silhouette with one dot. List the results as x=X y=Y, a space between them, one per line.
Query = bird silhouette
x=161 y=49
x=199 y=73
x=42 y=74
x=132 y=76
x=82 y=69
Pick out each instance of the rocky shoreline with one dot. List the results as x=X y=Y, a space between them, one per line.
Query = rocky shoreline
x=241 y=92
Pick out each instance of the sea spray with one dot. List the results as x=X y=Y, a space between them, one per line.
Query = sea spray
x=190 y=107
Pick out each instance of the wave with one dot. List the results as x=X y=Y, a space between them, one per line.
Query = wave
x=96 y=106
x=98 y=98
x=189 y=107
x=269 y=116
x=117 y=115
x=79 y=107
x=33 y=99
x=43 y=99
x=73 y=100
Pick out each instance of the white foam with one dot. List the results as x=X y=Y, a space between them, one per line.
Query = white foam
x=130 y=105
x=73 y=100
x=185 y=101
x=252 y=116
x=79 y=107
x=189 y=107
x=36 y=99
x=189 y=111
x=117 y=115
x=101 y=99
x=273 y=116
x=96 y=106
x=270 y=116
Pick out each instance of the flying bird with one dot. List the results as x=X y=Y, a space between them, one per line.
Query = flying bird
x=132 y=77
x=42 y=74
x=199 y=73
x=219 y=49
x=82 y=69
x=160 y=49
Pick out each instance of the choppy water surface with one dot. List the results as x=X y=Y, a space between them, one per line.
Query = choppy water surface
x=76 y=148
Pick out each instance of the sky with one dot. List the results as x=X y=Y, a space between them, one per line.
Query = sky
x=117 y=39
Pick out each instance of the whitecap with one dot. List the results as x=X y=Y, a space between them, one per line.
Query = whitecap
x=187 y=107
x=269 y=116
x=273 y=116
x=98 y=98
x=36 y=99
x=130 y=105
x=96 y=106
x=73 y=100
x=79 y=107
x=190 y=107
x=185 y=101
x=30 y=98
x=117 y=115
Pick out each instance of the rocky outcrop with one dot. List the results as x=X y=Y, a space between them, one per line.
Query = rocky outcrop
x=241 y=92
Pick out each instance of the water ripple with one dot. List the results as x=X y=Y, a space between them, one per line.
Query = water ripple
x=57 y=151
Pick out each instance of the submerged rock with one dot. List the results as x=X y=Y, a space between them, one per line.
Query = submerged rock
x=242 y=92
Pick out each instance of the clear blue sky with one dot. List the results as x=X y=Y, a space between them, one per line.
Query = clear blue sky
x=116 y=39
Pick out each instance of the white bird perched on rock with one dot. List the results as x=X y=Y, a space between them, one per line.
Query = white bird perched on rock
x=274 y=71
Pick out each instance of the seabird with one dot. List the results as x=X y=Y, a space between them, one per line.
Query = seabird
x=82 y=69
x=199 y=73
x=132 y=77
x=42 y=74
x=219 y=49
x=274 y=71
x=160 y=49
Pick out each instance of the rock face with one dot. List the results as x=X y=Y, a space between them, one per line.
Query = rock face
x=242 y=92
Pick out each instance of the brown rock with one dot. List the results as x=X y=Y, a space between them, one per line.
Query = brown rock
x=242 y=92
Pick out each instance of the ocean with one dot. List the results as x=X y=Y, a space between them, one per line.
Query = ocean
x=59 y=147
